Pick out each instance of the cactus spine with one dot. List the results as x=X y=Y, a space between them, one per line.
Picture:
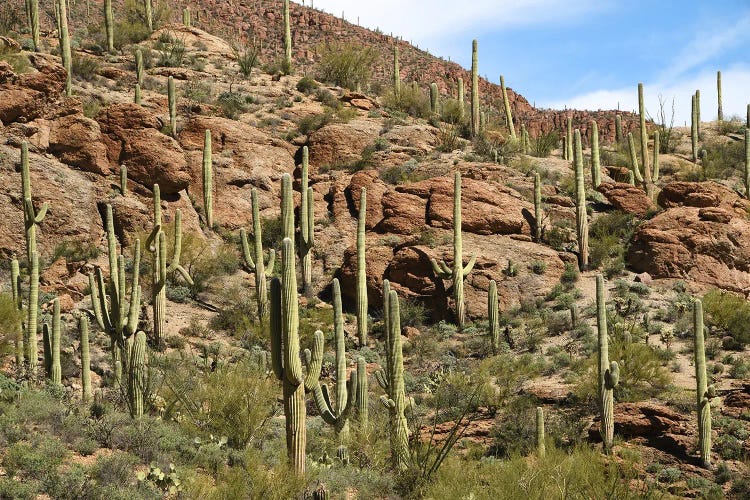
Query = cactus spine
x=307 y=225
x=65 y=45
x=596 y=167
x=149 y=12
x=172 y=97
x=609 y=373
x=657 y=145
x=136 y=365
x=396 y=72
x=362 y=270
x=493 y=317
x=157 y=245
x=123 y=180
x=720 y=114
x=694 y=128
x=392 y=380
x=109 y=26
x=434 y=98
x=32 y=12
x=257 y=265
x=644 y=141
x=618 y=128
x=83 y=328
x=474 y=88
x=582 y=224
x=704 y=392
x=118 y=316
x=139 y=66
x=336 y=414
x=540 y=444
x=287 y=40
x=508 y=114
x=208 y=174
x=15 y=279
x=537 y=208
x=634 y=159
x=458 y=272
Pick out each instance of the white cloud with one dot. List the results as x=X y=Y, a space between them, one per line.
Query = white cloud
x=429 y=21
x=735 y=82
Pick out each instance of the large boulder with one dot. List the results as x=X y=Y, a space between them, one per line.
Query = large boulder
x=630 y=199
x=704 y=238
x=133 y=138
x=28 y=96
x=339 y=144
x=77 y=141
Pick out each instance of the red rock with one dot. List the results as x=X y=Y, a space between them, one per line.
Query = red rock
x=30 y=95
x=630 y=199
x=77 y=141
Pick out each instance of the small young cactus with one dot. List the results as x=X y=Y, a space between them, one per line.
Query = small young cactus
x=83 y=328
x=208 y=176
x=634 y=159
x=258 y=264
x=186 y=17
x=493 y=316
x=540 y=439
x=149 y=14
x=458 y=272
x=123 y=180
x=694 y=128
x=609 y=373
x=307 y=225
x=55 y=370
x=109 y=26
x=139 y=72
x=596 y=168
x=361 y=269
x=434 y=95
x=474 y=88
x=172 y=98
x=508 y=114
x=618 y=128
x=720 y=113
x=582 y=224
x=704 y=392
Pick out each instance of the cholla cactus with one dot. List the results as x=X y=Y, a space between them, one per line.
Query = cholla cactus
x=508 y=114
x=582 y=224
x=258 y=264
x=609 y=373
x=704 y=392
x=458 y=272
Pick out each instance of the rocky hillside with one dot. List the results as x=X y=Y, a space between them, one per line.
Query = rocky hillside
x=216 y=427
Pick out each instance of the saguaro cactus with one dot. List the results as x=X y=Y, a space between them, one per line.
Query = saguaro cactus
x=493 y=316
x=15 y=281
x=30 y=333
x=508 y=114
x=644 y=141
x=336 y=414
x=307 y=225
x=257 y=265
x=361 y=269
x=618 y=128
x=172 y=97
x=720 y=114
x=187 y=19
x=704 y=392
x=461 y=104
x=363 y=398
x=537 y=208
x=65 y=45
x=83 y=329
x=474 y=87
x=634 y=158
x=136 y=368
x=657 y=145
x=458 y=272
x=149 y=12
x=396 y=72
x=208 y=183
x=392 y=380
x=137 y=94
x=123 y=180
x=694 y=128
x=596 y=167
x=540 y=444
x=109 y=26
x=609 y=373
x=746 y=172
x=582 y=224
x=52 y=345
x=32 y=12
x=31 y=217
x=287 y=40
x=434 y=98
x=115 y=314
x=698 y=112
x=569 y=139
x=139 y=66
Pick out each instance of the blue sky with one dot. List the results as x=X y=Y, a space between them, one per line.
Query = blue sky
x=585 y=54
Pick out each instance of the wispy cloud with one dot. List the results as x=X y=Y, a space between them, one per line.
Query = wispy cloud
x=432 y=20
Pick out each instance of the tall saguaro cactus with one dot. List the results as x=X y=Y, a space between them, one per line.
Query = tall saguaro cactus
x=461 y=104
x=109 y=26
x=694 y=128
x=32 y=13
x=698 y=112
x=634 y=158
x=458 y=272
x=493 y=316
x=65 y=44
x=287 y=40
x=136 y=373
x=720 y=114
x=644 y=141
x=508 y=114
x=307 y=225
x=618 y=128
x=139 y=66
x=361 y=269
x=704 y=392
x=657 y=145
x=363 y=398
x=392 y=380
x=396 y=72
x=474 y=87
x=83 y=329
x=257 y=265
x=52 y=345
x=582 y=224
x=569 y=139
x=596 y=167
x=208 y=182
x=31 y=217
x=172 y=98
x=609 y=373
x=149 y=13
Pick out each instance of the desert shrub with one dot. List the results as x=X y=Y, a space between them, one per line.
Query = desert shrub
x=543 y=144
x=452 y=112
x=448 y=138
x=723 y=159
x=346 y=64
x=171 y=50
x=401 y=174
x=84 y=67
x=410 y=100
x=232 y=104
x=310 y=123
x=609 y=235
x=247 y=60
x=37 y=460
x=730 y=315
x=413 y=313
x=9 y=322
x=75 y=251
x=570 y=276
x=18 y=61
x=307 y=85
x=12 y=18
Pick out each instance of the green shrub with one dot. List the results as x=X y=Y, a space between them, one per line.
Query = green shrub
x=84 y=67
x=730 y=315
x=347 y=65
x=9 y=322
x=723 y=159
x=402 y=174
x=543 y=144
x=609 y=235
x=34 y=460
x=451 y=112
x=232 y=104
x=310 y=123
x=76 y=251
x=247 y=60
x=18 y=61
x=410 y=100
x=570 y=275
x=307 y=85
